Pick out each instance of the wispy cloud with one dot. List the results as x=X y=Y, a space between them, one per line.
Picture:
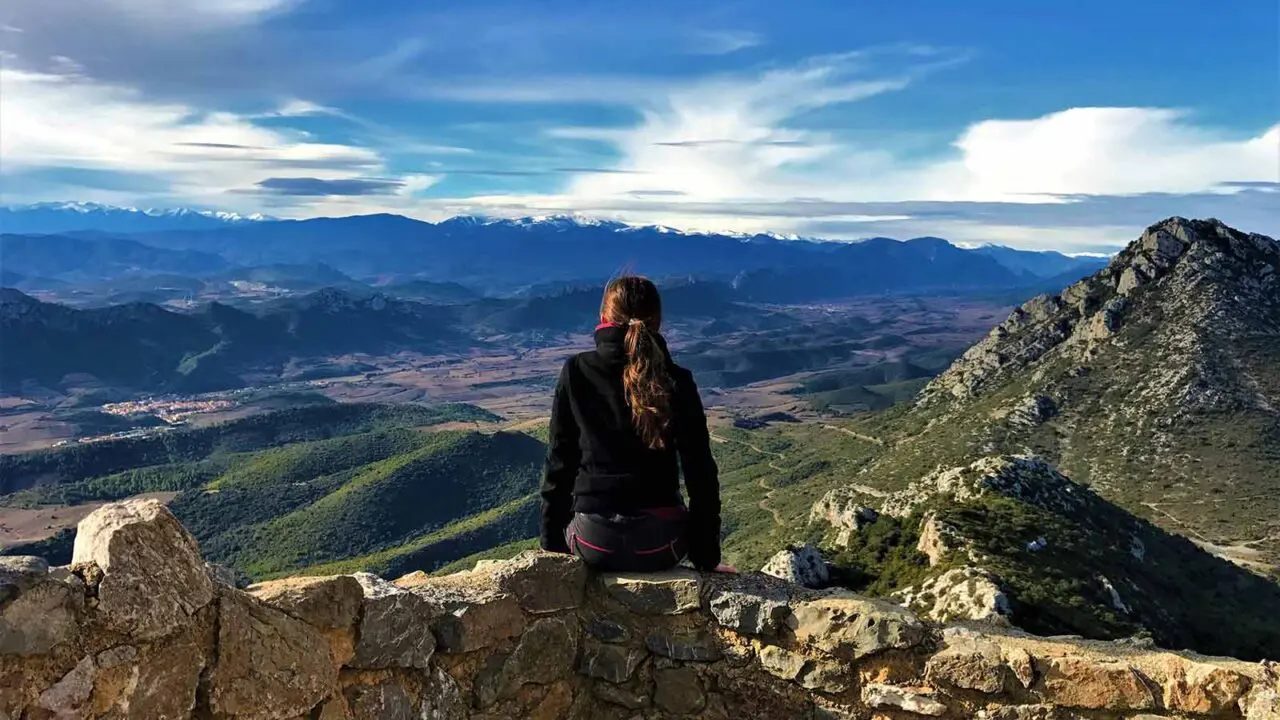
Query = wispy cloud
x=723 y=42
x=308 y=186
x=219 y=146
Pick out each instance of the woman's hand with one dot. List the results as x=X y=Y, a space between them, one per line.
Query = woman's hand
x=722 y=568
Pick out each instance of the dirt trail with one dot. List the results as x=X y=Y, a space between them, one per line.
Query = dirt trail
x=769 y=490
x=856 y=435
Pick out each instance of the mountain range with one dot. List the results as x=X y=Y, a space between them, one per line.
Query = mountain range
x=507 y=256
x=147 y=347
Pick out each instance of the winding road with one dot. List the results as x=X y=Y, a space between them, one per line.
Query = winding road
x=769 y=490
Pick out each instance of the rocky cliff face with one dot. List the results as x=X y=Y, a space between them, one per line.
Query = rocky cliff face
x=138 y=628
x=1119 y=430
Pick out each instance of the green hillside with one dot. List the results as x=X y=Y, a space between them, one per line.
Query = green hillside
x=371 y=508
x=156 y=462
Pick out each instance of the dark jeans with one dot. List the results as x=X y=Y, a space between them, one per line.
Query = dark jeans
x=646 y=542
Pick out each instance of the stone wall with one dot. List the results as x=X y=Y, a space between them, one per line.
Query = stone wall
x=138 y=627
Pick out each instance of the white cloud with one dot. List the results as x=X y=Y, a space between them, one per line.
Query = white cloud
x=710 y=155
x=1097 y=151
x=70 y=122
x=187 y=11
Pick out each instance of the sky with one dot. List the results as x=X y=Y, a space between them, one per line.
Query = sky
x=1038 y=125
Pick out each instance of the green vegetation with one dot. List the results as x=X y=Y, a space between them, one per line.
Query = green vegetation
x=1168 y=588
x=79 y=463
x=882 y=558
x=386 y=504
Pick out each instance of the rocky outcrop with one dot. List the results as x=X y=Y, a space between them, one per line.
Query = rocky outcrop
x=845 y=510
x=1211 y=277
x=963 y=593
x=538 y=637
x=800 y=565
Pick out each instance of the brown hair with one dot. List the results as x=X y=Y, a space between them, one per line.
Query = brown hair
x=633 y=302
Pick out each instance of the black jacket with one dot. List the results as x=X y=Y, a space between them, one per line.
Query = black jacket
x=597 y=464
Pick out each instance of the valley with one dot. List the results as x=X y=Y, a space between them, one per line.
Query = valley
x=1070 y=460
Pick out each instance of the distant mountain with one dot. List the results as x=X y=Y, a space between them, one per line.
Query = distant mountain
x=47 y=218
x=442 y=293
x=1043 y=264
x=146 y=347
x=505 y=256
x=89 y=259
x=879 y=265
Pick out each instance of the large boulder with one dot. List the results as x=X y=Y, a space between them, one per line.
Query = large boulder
x=153 y=577
x=844 y=510
x=269 y=665
x=800 y=565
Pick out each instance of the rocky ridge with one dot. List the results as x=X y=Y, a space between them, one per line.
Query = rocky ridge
x=1098 y=444
x=1214 y=282
x=137 y=628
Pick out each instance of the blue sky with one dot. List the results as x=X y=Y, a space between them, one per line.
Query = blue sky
x=1066 y=125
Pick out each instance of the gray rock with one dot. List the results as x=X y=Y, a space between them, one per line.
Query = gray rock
x=17 y=573
x=159 y=680
x=607 y=630
x=849 y=627
x=441 y=698
x=395 y=628
x=386 y=700
x=545 y=654
x=620 y=696
x=686 y=646
x=799 y=565
x=750 y=608
x=679 y=691
x=328 y=603
x=969 y=662
x=844 y=510
x=69 y=697
x=667 y=593
x=227 y=576
x=543 y=582
x=612 y=663
x=39 y=617
x=469 y=617
x=269 y=665
x=153 y=577
x=964 y=593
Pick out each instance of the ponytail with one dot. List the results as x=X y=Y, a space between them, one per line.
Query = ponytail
x=647 y=384
x=633 y=302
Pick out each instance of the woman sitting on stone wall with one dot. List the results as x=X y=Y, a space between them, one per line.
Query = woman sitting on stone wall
x=625 y=423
